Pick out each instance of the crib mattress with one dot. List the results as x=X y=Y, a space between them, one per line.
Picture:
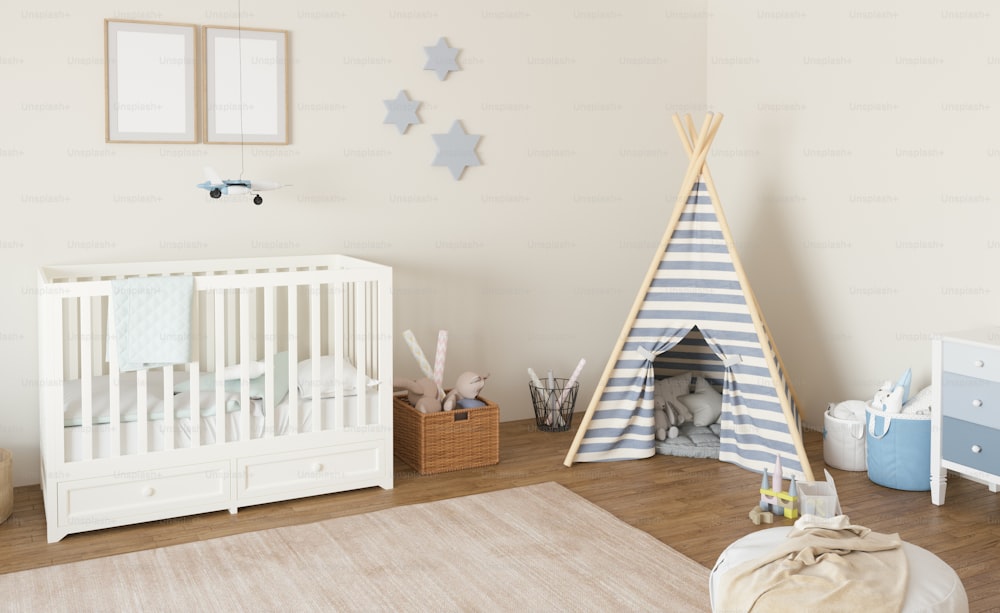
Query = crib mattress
x=157 y=431
x=129 y=399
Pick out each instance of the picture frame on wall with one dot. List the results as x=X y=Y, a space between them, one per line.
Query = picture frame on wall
x=150 y=73
x=245 y=75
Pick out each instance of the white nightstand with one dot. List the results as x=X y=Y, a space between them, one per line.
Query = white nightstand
x=965 y=430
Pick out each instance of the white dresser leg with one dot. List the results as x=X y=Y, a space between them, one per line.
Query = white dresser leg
x=939 y=483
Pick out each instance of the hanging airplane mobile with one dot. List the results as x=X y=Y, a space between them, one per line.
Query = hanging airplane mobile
x=218 y=187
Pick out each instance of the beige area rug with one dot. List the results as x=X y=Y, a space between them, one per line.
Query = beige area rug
x=534 y=548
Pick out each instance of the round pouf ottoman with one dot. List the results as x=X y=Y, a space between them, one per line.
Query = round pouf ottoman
x=933 y=586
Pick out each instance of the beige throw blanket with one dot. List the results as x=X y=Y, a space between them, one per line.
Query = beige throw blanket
x=821 y=569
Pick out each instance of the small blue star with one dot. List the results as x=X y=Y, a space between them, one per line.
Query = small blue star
x=441 y=58
x=456 y=150
x=402 y=111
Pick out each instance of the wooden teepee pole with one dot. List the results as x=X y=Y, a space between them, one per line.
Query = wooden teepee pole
x=771 y=356
x=697 y=159
x=749 y=288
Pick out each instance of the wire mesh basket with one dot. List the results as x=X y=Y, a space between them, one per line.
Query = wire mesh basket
x=554 y=404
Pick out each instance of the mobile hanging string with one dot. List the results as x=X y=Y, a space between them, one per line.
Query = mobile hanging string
x=239 y=58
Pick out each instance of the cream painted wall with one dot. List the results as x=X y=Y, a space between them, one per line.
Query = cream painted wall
x=857 y=164
x=532 y=259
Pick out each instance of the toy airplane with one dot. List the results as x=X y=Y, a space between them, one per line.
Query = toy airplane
x=218 y=187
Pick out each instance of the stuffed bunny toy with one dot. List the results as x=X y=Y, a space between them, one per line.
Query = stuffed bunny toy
x=423 y=394
x=467 y=387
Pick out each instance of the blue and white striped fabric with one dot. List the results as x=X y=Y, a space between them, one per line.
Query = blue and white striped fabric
x=695 y=318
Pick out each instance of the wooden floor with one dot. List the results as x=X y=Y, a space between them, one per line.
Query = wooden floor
x=696 y=506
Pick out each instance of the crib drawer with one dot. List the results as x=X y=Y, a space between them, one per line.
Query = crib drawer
x=126 y=497
x=313 y=470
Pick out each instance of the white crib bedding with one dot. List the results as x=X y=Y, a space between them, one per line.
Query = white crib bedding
x=349 y=416
x=232 y=392
x=129 y=399
x=156 y=436
x=157 y=432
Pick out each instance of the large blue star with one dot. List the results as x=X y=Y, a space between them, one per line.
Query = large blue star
x=402 y=111
x=441 y=58
x=456 y=150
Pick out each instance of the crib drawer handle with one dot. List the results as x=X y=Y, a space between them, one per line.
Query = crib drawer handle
x=148 y=491
x=317 y=467
x=977 y=449
x=977 y=403
x=979 y=363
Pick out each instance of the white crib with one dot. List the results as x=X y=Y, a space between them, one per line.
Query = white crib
x=262 y=412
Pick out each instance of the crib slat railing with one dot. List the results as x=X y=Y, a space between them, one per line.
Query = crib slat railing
x=337 y=350
x=72 y=323
x=341 y=319
x=114 y=388
x=82 y=347
x=361 y=355
x=141 y=412
x=194 y=368
x=270 y=349
x=232 y=335
x=220 y=365
x=314 y=354
x=51 y=375
x=95 y=328
x=245 y=336
x=167 y=423
x=293 y=360
x=345 y=325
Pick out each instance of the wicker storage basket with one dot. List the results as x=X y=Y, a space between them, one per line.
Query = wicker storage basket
x=447 y=440
x=6 y=485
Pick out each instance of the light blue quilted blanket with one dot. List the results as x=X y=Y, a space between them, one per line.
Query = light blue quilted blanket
x=152 y=321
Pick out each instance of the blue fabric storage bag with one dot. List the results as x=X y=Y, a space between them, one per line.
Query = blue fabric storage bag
x=898 y=451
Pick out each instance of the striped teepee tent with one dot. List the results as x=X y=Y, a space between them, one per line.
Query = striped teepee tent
x=696 y=313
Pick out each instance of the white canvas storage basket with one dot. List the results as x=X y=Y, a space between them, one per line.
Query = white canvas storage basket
x=844 y=443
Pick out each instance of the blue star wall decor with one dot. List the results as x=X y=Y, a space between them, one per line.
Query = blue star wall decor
x=402 y=111
x=441 y=58
x=456 y=150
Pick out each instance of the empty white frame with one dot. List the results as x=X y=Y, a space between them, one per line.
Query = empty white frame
x=246 y=86
x=150 y=72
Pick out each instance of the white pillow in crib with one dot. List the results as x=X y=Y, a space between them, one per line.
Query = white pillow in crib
x=327 y=385
x=236 y=370
x=206 y=381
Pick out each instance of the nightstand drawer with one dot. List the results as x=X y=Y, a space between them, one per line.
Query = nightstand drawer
x=971 y=445
x=970 y=399
x=971 y=360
